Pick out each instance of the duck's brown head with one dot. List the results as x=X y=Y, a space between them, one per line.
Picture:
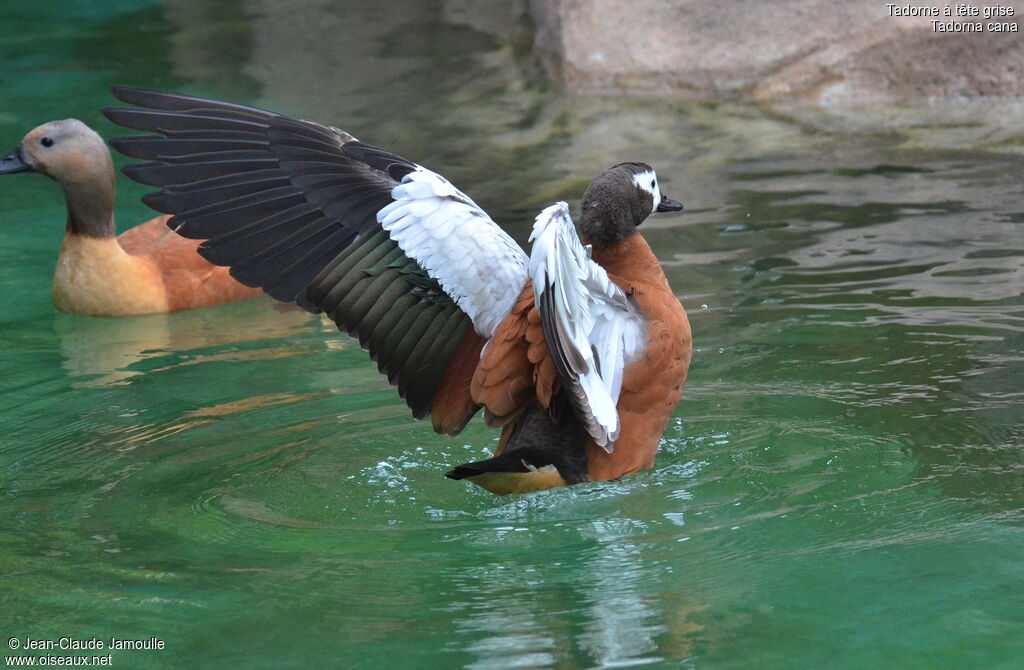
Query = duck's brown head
x=619 y=200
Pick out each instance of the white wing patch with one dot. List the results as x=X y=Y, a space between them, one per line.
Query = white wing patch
x=592 y=328
x=474 y=260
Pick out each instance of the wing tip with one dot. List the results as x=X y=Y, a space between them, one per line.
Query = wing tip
x=609 y=441
x=557 y=213
x=133 y=95
x=157 y=200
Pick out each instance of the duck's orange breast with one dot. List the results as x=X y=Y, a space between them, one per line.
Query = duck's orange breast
x=147 y=269
x=95 y=276
x=652 y=384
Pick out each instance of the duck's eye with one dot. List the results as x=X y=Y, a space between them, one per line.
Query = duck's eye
x=46 y=142
x=653 y=184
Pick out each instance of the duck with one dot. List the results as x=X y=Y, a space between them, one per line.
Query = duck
x=144 y=270
x=577 y=352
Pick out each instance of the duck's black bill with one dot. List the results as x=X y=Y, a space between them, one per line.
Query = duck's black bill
x=13 y=162
x=667 y=205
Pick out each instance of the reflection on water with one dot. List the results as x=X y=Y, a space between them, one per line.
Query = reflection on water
x=605 y=575
x=104 y=350
x=840 y=486
x=623 y=624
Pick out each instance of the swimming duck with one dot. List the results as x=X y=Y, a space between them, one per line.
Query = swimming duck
x=146 y=269
x=578 y=352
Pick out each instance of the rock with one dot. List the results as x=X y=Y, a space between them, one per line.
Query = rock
x=851 y=52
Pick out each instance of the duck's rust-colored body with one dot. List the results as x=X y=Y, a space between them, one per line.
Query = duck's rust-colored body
x=516 y=369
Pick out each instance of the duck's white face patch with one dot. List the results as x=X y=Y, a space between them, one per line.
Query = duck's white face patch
x=648 y=181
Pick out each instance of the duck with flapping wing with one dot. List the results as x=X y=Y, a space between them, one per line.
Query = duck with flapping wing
x=578 y=352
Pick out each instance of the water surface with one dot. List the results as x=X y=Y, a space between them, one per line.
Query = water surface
x=840 y=486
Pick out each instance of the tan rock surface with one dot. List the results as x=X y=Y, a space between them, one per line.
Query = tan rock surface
x=833 y=52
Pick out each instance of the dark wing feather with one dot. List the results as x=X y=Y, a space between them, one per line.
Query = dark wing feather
x=291 y=207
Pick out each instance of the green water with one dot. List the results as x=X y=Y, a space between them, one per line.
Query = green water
x=841 y=485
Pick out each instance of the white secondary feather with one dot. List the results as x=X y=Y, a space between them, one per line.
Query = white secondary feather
x=597 y=329
x=474 y=260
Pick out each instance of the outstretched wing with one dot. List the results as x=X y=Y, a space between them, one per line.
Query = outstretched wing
x=592 y=328
x=395 y=254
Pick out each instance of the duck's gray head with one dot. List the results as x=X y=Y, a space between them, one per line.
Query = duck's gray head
x=619 y=200
x=71 y=153
x=66 y=150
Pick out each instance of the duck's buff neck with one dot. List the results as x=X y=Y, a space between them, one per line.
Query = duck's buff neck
x=90 y=208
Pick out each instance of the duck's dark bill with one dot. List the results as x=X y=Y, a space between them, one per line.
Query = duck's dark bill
x=667 y=205
x=13 y=162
